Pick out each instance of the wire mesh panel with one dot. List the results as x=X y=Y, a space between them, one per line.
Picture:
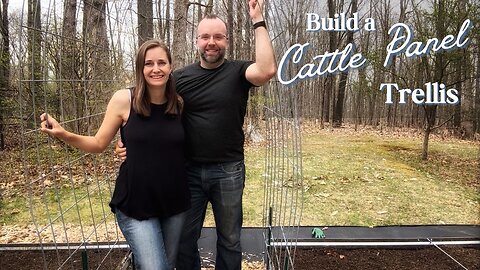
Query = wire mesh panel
x=70 y=57
x=283 y=177
x=69 y=74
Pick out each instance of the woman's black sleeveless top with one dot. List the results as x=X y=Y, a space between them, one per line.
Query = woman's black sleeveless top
x=152 y=181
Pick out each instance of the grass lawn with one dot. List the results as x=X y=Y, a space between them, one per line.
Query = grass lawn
x=350 y=178
x=369 y=180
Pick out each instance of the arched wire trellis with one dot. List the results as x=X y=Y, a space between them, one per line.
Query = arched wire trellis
x=68 y=190
x=283 y=202
x=283 y=177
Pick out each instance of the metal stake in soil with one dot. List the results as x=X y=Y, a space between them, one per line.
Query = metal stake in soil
x=84 y=260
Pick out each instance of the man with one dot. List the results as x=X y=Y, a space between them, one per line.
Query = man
x=215 y=92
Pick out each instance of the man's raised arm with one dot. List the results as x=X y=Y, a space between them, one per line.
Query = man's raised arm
x=265 y=66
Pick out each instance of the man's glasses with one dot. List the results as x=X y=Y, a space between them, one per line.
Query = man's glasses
x=216 y=37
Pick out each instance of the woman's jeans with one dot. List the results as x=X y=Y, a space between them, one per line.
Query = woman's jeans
x=222 y=185
x=154 y=242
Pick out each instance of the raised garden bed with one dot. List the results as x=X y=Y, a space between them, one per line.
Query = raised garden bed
x=396 y=247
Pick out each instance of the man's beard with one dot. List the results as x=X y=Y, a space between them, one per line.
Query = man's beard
x=213 y=59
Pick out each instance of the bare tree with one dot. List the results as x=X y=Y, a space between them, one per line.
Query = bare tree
x=477 y=88
x=4 y=68
x=97 y=64
x=230 y=12
x=144 y=20
x=70 y=69
x=328 y=94
x=474 y=15
x=167 y=22
x=35 y=69
x=239 y=34
x=164 y=21
x=459 y=74
x=431 y=110
x=338 y=111
x=209 y=8
x=180 y=33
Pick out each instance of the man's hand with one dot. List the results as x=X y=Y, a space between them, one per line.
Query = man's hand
x=256 y=10
x=121 y=150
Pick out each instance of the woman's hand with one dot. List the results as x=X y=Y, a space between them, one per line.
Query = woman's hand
x=50 y=126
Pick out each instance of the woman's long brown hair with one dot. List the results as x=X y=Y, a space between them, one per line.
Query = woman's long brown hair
x=141 y=98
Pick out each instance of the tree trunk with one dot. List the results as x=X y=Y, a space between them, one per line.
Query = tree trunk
x=426 y=139
x=231 y=48
x=4 y=68
x=95 y=33
x=338 y=109
x=167 y=23
x=431 y=111
x=96 y=52
x=330 y=83
x=209 y=8
x=477 y=88
x=161 y=22
x=35 y=69
x=145 y=21
x=457 y=117
x=180 y=33
x=239 y=38
x=69 y=64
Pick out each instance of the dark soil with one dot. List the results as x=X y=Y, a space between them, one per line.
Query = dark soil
x=305 y=259
x=34 y=259
x=392 y=259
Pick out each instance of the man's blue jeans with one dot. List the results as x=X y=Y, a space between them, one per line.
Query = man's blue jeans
x=154 y=242
x=221 y=185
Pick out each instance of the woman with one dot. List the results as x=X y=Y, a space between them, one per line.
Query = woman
x=151 y=192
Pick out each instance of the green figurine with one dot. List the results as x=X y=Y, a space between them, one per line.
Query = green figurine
x=318 y=233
